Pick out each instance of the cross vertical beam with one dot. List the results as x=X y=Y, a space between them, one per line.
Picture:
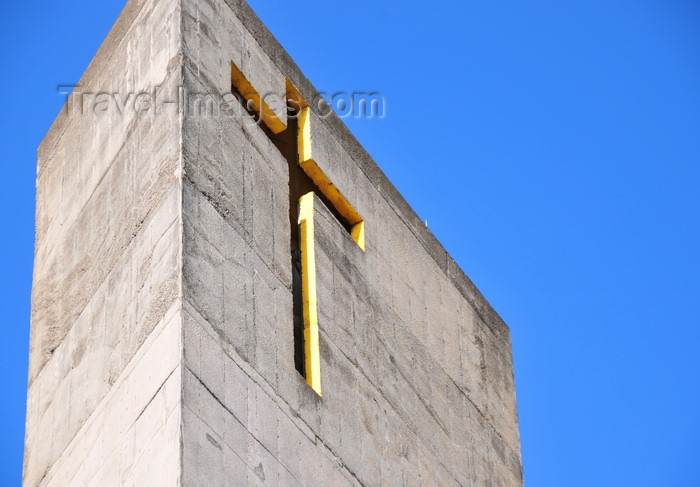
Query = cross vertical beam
x=312 y=357
x=307 y=180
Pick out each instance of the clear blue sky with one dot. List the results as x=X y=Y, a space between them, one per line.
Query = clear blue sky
x=554 y=148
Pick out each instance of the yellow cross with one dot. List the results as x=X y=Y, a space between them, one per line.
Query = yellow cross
x=323 y=187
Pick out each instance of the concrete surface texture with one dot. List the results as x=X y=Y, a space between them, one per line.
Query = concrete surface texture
x=163 y=333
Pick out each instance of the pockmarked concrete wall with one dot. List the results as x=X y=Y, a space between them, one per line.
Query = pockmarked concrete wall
x=416 y=367
x=104 y=382
x=162 y=321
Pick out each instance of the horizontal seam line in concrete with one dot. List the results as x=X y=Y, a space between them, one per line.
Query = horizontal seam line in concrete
x=382 y=340
x=141 y=413
x=452 y=380
x=49 y=473
x=251 y=468
x=246 y=236
x=101 y=283
x=398 y=413
x=277 y=399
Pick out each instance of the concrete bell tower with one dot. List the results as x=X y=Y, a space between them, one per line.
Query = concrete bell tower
x=228 y=291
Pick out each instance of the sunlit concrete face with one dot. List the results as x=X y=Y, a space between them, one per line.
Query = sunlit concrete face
x=165 y=343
